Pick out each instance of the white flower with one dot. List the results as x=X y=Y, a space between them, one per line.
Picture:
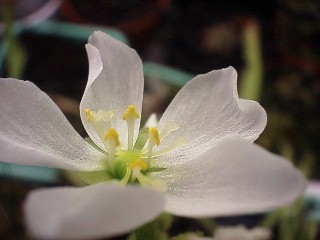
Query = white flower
x=242 y=233
x=199 y=155
x=239 y=232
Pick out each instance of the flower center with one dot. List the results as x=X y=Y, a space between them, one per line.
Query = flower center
x=134 y=163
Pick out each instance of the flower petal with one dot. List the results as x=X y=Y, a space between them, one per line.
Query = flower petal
x=152 y=121
x=33 y=131
x=118 y=85
x=240 y=232
x=90 y=212
x=95 y=64
x=208 y=111
x=234 y=177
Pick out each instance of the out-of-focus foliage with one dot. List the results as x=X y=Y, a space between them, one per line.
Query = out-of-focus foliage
x=16 y=55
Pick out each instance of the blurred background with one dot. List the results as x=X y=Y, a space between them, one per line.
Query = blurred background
x=273 y=45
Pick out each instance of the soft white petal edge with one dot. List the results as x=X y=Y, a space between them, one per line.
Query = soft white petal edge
x=34 y=131
x=152 y=121
x=99 y=210
x=114 y=87
x=208 y=111
x=235 y=177
x=95 y=64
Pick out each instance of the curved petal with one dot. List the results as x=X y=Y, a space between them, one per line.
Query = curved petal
x=208 y=111
x=90 y=212
x=234 y=177
x=152 y=121
x=114 y=87
x=33 y=131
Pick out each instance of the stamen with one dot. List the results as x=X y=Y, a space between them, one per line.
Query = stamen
x=154 y=135
x=154 y=139
x=88 y=115
x=99 y=120
x=130 y=115
x=131 y=112
x=111 y=141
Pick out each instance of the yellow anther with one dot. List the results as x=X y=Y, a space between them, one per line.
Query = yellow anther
x=154 y=135
x=139 y=163
x=88 y=115
x=131 y=112
x=112 y=135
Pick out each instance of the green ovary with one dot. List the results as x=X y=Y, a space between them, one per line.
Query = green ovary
x=123 y=161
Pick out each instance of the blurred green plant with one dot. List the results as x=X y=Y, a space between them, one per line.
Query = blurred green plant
x=15 y=53
x=155 y=230
x=252 y=74
x=293 y=222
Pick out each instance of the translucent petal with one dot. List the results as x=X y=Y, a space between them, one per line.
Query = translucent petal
x=152 y=121
x=208 y=111
x=115 y=87
x=234 y=177
x=33 y=131
x=98 y=210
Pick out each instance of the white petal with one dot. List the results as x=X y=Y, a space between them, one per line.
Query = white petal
x=119 y=84
x=33 y=131
x=152 y=120
x=208 y=111
x=240 y=232
x=235 y=177
x=95 y=64
x=95 y=211
x=313 y=189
